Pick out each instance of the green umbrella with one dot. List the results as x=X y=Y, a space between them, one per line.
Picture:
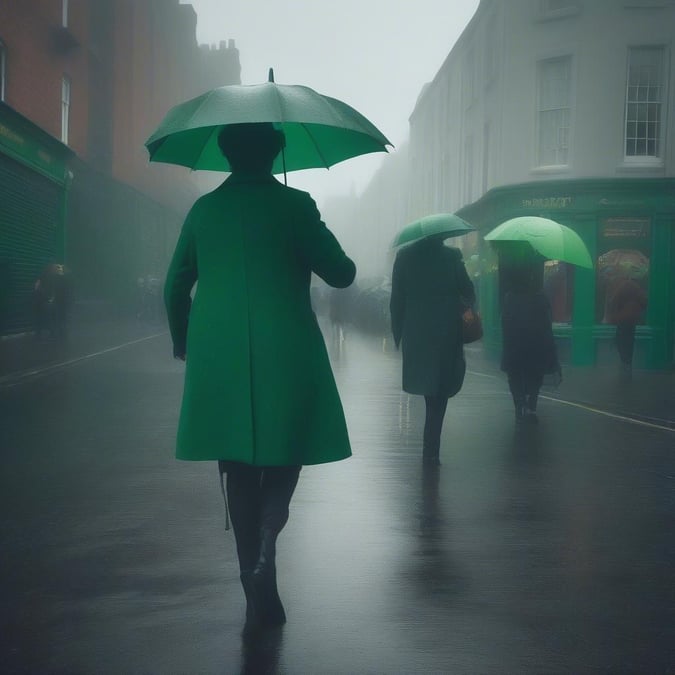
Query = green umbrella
x=447 y=224
x=320 y=131
x=549 y=238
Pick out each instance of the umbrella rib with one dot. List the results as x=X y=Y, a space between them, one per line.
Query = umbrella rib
x=216 y=130
x=315 y=144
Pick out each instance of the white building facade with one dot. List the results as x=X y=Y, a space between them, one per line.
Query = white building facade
x=566 y=109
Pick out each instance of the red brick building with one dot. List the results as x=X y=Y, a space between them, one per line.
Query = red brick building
x=82 y=84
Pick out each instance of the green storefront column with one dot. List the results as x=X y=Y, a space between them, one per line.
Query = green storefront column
x=583 y=309
x=660 y=310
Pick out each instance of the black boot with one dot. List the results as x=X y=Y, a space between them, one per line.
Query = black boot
x=253 y=604
x=277 y=487
x=531 y=409
x=520 y=408
x=243 y=498
x=265 y=581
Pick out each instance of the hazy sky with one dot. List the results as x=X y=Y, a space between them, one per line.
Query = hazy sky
x=376 y=55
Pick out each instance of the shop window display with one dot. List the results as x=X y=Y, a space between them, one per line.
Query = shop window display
x=559 y=289
x=623 y=254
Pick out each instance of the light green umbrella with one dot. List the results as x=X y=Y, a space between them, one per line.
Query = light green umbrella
x=549 y=238
x=447 y=224
x=320 y=131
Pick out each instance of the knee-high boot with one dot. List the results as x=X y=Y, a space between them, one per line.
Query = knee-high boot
x=243 y=498
x=277 y=487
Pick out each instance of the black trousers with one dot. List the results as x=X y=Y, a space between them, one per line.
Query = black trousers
x=525 y=386
x=433 y=424
x=625 y=342
x=258 y=499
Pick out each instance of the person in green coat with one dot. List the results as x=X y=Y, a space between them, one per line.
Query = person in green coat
x=259 y=393
x=430 y=289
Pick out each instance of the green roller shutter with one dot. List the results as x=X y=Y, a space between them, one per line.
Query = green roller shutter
x=30 y=213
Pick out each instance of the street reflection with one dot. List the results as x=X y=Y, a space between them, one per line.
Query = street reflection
x=260 y=652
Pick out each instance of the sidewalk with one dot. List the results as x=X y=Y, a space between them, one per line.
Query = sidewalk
x=24 y=354
x=647 y=395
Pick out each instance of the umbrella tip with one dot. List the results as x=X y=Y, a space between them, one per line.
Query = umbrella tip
x=270 y=75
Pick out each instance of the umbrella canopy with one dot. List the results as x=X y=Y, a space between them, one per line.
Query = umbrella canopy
x=447 y=224
x=320 y=131
x=549 y=238
x=627 y=263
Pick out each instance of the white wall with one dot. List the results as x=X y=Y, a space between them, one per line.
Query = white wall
x=504 y=97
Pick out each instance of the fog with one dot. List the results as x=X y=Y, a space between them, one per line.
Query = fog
x=507 y=509
x=374 y=55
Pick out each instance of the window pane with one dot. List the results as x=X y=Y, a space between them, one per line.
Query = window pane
x=623 y=253
x=558 y=287
x=643 y=101
x=554 y=111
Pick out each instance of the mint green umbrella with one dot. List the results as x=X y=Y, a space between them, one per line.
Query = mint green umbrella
x=549 y=238
x=447 y=224
x=320 y=131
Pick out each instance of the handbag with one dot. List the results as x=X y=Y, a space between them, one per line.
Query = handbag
x=472 y=326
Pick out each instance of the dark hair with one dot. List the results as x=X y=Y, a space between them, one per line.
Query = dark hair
x=250 y=146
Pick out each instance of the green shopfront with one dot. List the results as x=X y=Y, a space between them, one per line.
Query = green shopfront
x=34 y=180
x=629 y=222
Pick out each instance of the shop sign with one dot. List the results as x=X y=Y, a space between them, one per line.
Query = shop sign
x=30 y=152
x=547 y=202
x=625 y=228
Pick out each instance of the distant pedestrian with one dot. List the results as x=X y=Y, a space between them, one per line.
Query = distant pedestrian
x=259 y=393
x=625 y=306
x=430 y=290
x=528 y=346
x=339 y=309
x=52 y=299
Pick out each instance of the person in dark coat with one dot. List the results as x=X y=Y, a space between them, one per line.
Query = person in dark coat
x=259 y=394
x=528 y=346
x=626 y=303
x=430 y=290
x=52 y=298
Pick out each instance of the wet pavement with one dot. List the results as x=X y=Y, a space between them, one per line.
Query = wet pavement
x=549 y=549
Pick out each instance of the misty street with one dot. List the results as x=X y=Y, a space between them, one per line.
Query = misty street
x=547 y=549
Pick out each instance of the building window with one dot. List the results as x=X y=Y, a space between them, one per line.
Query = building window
x=65 y=108
x=3 y=70
x=554 y=111
x=64 y=13
x=645 y=110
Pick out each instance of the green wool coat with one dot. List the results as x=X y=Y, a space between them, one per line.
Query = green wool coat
x=429 y=290
x=258 y=387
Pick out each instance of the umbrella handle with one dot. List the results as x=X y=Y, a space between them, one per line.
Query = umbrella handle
x=283 y=161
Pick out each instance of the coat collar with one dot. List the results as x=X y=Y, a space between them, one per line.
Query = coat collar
x=240 y=177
